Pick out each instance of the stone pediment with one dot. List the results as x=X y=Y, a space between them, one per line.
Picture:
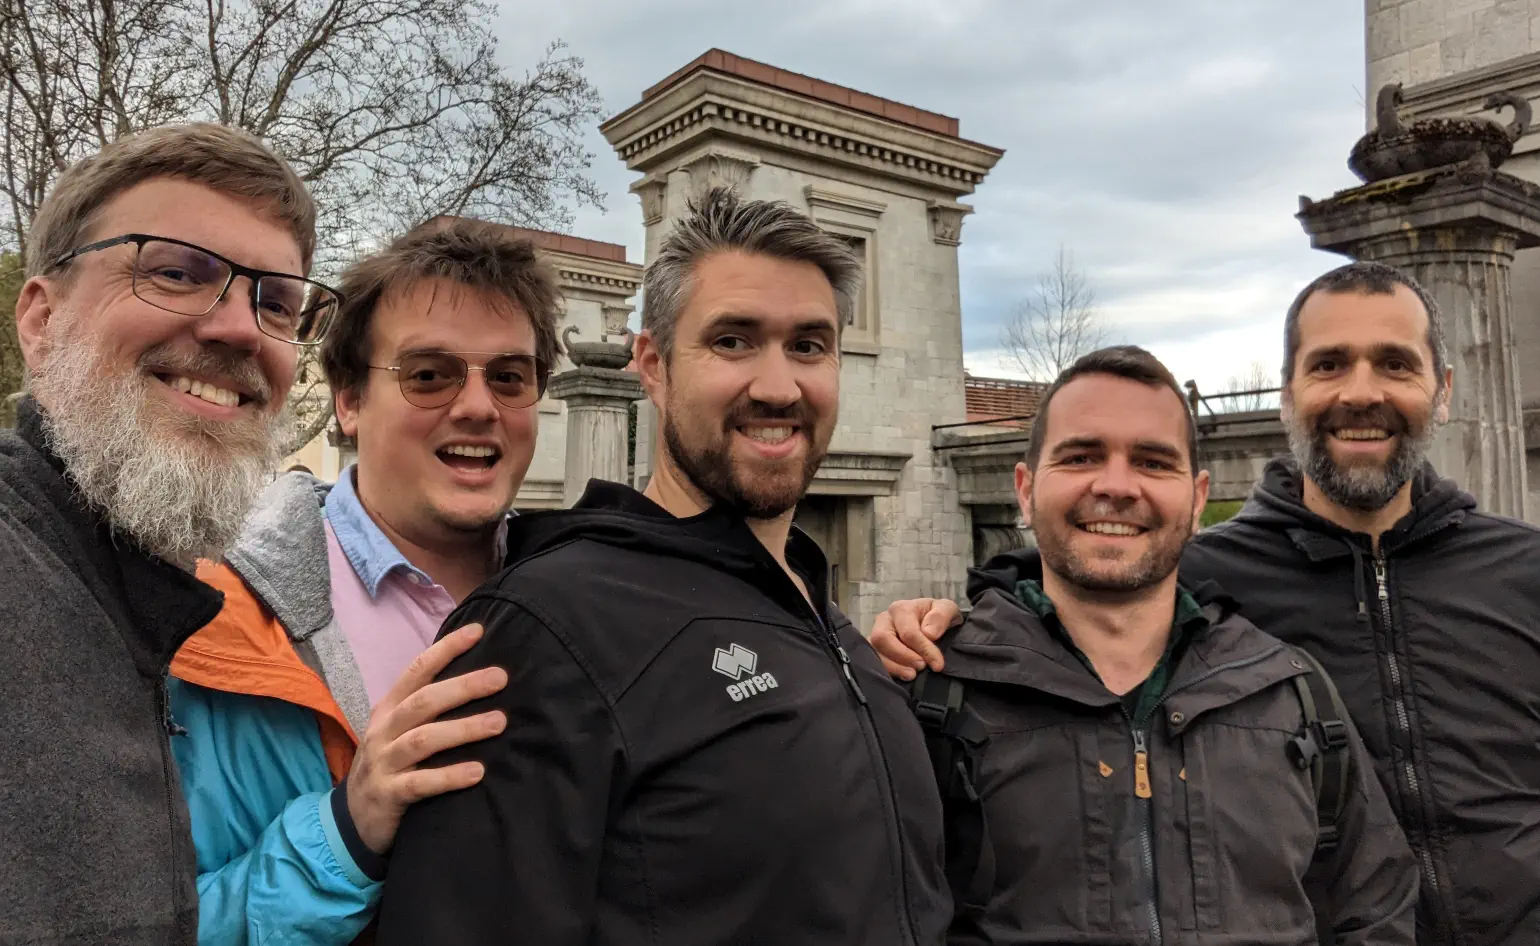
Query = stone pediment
x=708 y=105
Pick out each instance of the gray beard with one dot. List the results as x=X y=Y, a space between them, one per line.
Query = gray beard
x=179 y=485
x=1365 y=488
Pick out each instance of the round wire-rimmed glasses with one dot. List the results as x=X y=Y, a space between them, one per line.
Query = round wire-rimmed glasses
x=187 y=279
x=433 y=379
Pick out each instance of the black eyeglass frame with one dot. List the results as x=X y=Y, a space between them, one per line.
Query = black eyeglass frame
x=236 y=269
x=542 y=375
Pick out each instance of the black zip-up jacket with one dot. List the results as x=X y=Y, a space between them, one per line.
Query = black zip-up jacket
x=1435 y=644
x=1221 y=852
x=95 y=844
x=690 y=760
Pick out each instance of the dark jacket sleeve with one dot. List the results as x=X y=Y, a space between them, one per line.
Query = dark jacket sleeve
x=1365 y=890
x=514 y=859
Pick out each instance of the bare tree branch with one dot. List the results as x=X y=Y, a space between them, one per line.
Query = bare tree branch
x=1056 y=323
x=1248 y=391
x=392 y=111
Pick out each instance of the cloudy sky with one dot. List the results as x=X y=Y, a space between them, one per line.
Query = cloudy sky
x=1163 y=144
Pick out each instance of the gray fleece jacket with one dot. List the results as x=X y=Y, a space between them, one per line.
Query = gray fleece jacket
x=94 y=839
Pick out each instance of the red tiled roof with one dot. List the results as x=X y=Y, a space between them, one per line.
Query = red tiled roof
x=564 y=243
x=989 y=399
x=722 y=61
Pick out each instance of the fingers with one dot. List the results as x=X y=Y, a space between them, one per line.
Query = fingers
x=436 y=699
x=912 y=636
x=901 y=642
x=944 y=615
x=416 y=785
x=430 y=739
x=429 y=664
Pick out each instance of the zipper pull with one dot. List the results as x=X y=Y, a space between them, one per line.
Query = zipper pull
x=1141 y=767
x=163 y=697
x=1379 y=578
x=850 y=678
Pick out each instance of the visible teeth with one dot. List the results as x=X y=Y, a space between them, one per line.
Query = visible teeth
x=464 y=450
x=206 y=391
x=768 y=434
x=1111 y=528
x=1363 y=433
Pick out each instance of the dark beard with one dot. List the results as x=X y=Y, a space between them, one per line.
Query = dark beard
x=1162 y=558
x=711 y=469
x=1363 y=489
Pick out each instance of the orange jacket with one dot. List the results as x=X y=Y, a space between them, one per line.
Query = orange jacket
x=246 y=650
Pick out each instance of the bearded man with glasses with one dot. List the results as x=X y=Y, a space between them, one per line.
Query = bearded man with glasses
x=165 y=300
x=310 y=700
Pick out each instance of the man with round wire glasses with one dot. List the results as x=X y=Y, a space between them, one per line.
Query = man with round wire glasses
x=310 y=700
x=167 y=293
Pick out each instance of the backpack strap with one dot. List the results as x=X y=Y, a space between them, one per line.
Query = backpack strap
x=1322 y=747
x=955 y=737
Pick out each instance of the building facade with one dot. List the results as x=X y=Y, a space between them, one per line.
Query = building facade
x=1450 y=55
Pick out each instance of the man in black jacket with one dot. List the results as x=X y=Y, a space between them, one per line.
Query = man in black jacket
x=1424 y=609
x=159 y=321
x=1141 y=775
x=699 y=749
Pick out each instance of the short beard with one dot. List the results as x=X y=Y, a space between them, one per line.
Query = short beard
x=1360 y=488
x=711 y=468
x=1152 y=568
x=179 y=485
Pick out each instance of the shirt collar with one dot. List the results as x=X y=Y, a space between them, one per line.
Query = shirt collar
x=1187 y=618
x=372 y=555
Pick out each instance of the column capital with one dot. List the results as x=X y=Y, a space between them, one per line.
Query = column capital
x=596 y=387
x=1431 y=215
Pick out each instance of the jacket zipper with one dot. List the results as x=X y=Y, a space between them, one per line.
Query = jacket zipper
x=1145 y=804
x=1143 y=789
x=868 y=726
x=1404 y=738
x=166 y=727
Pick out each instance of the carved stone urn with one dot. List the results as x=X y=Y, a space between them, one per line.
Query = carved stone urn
x=1393 y=149
x=601 y=354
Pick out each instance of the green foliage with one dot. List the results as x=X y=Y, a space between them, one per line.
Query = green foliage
x=11 y=365
x=1219 y=512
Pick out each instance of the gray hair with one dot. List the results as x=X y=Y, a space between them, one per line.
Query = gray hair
x=1366 y=278
x=723 y=221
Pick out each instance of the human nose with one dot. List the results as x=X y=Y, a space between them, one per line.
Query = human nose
x=1116 y=479
x=233 y=321
x=1361 y=388
x=475 y=402
x=775 y=380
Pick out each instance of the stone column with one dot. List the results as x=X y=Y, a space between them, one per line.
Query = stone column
x=598 y=393
x=1455 y=231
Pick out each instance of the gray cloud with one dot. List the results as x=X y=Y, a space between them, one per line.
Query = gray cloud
x=1164 y=144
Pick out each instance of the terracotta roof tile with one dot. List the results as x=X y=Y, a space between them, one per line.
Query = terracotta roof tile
x=723 y=61
x=989 y=399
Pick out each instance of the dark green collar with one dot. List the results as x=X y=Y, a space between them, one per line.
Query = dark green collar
x=1187 y=622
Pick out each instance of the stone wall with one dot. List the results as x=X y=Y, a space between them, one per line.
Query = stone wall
x=1419 y=41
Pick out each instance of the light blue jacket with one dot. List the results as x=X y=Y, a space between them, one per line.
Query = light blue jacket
x=273 y=863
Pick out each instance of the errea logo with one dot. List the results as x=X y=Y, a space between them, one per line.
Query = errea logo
x=736 y=663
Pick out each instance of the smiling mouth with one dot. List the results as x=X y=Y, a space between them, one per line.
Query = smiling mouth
x=468 y=457
x=204 y=390
x=1125 y=529
x=770 y=435
x=1362 y=433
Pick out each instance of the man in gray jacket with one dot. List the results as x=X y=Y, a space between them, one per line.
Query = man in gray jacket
x=1155 y=768
x=165 y=298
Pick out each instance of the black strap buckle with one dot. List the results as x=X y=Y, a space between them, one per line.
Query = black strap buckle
x=932 y=716
x=1332 y=734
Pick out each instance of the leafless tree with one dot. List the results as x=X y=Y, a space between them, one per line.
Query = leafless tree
x=1056 y=323
x=392 y=110
x=1249 y=390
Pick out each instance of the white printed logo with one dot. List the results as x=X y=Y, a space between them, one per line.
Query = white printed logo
x=737 y=663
